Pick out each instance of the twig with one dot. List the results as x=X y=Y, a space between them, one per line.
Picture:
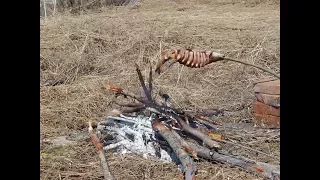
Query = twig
x=212 y=126
x=249 y=148
x=179 y=75
x=80 y=56
x=160 y=48
x=150 y=79
x=264 y=139
x=84 y=45
x=147 y=93
x=122 y=92
x=106 y=173
x=41 y=56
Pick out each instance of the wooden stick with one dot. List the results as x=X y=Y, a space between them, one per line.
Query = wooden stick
x=142 y=83
x=150 y=79
x=131 y=109
x=205 y=139
x=249 y=148
x=104 y=164
x=175 y=144
x=212 y=126
x=253 y=65
x=186 y=146
x=129 y=104
x=122 y=92
x=259 y=168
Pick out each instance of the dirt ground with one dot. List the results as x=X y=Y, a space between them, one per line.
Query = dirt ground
x=79 y=52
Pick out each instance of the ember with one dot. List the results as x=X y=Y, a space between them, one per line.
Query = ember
x=132 y=135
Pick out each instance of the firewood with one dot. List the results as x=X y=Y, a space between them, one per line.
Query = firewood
x=175 y=143
x=259 y=168
x=174 y=119
x=104 y=164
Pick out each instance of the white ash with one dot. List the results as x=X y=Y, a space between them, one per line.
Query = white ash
x=125 y=135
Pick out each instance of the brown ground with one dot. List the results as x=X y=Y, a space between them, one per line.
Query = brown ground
x=84 y=50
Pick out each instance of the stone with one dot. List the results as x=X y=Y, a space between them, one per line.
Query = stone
x=266 y=121
x=262 y=108
x=268 y=87
x=269 y=99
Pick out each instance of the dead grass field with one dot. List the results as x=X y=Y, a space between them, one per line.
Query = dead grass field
x=81 y=51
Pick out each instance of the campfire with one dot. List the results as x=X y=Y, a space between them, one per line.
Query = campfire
x=156 y=129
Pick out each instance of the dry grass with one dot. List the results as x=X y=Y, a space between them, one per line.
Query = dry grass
x=82 y=51
x=81 y=162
